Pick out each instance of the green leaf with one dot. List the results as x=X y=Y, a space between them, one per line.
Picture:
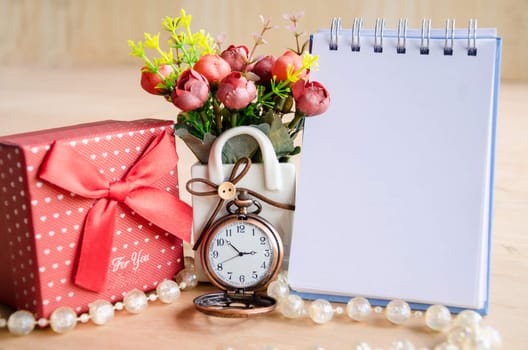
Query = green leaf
x=200 y=148
x=280 y=138
x=242 y=146
x=268 y=117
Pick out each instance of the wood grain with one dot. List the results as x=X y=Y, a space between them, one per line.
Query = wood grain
x=95 y=32
x=58 y=97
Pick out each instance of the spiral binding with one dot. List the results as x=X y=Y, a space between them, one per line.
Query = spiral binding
x=426 y=37
x=378 y=35
x=402 y=36
x=472 y=37
x=334 y=33
x=356 y=34
x=401 y=47
x=449 y=37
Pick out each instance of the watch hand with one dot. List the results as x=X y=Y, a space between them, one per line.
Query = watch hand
x=249 y=253
x=231 y=258
x=232 y=246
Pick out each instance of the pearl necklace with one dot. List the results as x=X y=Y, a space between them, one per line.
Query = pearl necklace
x=64 y=319
x=464 y=332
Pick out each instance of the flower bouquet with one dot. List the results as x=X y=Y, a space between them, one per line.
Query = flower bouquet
x=217 y=89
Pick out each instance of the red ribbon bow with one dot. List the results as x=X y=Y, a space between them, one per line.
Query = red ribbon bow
x=65 y=168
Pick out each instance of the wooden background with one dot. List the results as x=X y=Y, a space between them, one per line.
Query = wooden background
x=95 y=32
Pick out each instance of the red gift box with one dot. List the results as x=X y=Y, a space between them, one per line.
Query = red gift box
x=89 y=212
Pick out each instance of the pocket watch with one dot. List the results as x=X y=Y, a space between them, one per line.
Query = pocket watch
x=241 y=254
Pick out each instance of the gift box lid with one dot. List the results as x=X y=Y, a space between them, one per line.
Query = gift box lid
x=86 y=130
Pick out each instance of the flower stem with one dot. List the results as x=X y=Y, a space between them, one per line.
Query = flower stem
x=205 y=120
x=167 y=58
x=265 y=28
x=298 y=44
x=217 y=110
x=296 y=120
x=234 y=119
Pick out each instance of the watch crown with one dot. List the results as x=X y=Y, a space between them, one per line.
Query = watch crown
x=243 y=200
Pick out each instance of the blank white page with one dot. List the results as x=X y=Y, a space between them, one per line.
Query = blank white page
x=394 y=194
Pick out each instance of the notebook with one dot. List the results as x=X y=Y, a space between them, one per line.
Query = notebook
x=394 y=197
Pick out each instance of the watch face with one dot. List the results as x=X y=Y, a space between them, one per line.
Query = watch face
x=242 y=253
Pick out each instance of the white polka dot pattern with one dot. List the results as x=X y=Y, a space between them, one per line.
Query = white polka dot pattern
x=43 y=224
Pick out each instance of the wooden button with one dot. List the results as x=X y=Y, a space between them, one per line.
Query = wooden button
x=226 y=191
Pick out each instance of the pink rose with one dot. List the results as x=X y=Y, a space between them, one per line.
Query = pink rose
x=262 y=68
x=311 y=98
x=213 y=67
x=289 y=62
x=191 y=91
x=236 y=92
x=151 y=80
x=236 y=56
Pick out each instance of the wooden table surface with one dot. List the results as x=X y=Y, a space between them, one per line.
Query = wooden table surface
x=36 y=98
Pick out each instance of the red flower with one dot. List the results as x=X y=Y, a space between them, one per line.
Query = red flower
x=289 y=61
x=236 y=92
x=262 y=68
x=236 y=56
x=311 y=98
x=191 y=91
x=213 y=67
x=149 y=79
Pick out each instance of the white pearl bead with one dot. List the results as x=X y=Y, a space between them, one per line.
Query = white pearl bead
x=437 y=317
x=418 y=314
x=84 y=318
x=187 y=276
x=446 y=346
x=101 y=311
x=358 y=309
x=135 y=301
x=63 y=320
x=402 y=345
x=291 y=306
x=462 y=337
x=278 y=290
x=283 y=276
x=21 y=322
x=491 y=337
x=398 y=311
x=119 y=306
x=321 y=311
x=378 y=309
x=168 y=291
x=42 y=322
x=362 y=346
x=468 y=318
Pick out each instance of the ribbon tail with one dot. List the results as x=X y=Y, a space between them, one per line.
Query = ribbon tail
x=96 y=246
x=67 y=169
x=163 y=210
